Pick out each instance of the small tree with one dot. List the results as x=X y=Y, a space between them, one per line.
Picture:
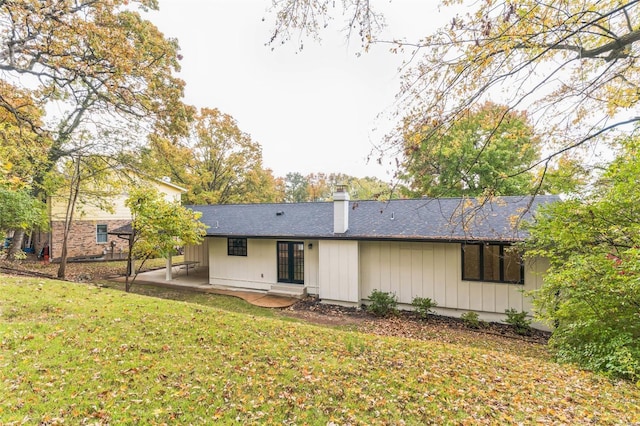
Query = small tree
x=591 y=291
x=20 y=210
x=158 y=226
x=85 y=180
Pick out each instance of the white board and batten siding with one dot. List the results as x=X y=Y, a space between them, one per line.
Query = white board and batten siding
x=339 y=271
x=434 y=270
x=311 y=266
x=258 y=269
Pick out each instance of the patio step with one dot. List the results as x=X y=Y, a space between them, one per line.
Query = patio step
x=289 y=290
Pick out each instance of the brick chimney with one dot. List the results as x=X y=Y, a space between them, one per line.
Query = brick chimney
x=340 y=210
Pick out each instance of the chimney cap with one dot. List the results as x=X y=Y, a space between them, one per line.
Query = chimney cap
x=341 y=187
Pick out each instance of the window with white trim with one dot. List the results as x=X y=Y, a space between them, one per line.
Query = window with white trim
x=101 y=234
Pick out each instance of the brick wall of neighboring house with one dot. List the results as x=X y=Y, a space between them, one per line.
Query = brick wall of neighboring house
x=82 y=238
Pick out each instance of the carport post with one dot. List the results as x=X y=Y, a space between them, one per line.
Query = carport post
x=168 y=276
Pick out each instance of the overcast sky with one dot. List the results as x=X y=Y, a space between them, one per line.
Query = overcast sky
x=312 y=111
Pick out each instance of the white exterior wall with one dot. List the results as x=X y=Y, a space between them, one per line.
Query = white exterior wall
x=434 y=270
x=258 y=270
x=347 y=272
x=311 y=266
x=339 y=275
x=199 y=253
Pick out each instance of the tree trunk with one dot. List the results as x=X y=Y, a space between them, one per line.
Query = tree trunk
x=130 y=267
x=16 y=245
x=68 y=219
x=62 y=269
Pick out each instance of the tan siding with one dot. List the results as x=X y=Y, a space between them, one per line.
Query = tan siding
x=533 y=278
x=475 y=297
x=417 y=270
x=258 y=270
x=488 y=296
x=428 y=276
x=405 y=284
x=502 y=297
x=385 y=268
x=452 y=272
x=86 y=211
x=439 y=275
x=464 y=295
x=339 y=271
x=433 y=270
x=311 y=266
x=91 y=211
x=515 y=297
x=394 y=275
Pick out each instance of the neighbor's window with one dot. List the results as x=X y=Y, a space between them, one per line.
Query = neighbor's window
x=101 y=234
x=500 y=263
x=237 y=246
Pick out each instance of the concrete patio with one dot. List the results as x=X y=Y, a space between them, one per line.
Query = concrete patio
x=197 y=280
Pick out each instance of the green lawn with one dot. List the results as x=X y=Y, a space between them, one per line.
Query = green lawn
x=78 y=353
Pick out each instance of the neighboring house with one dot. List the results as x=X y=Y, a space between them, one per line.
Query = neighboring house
x=453 y=250
x=91 y=224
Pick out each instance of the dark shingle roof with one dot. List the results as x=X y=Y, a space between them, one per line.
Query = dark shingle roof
x=447 y=219
x=123 y=230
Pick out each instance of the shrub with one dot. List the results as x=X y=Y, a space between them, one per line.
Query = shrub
x=382 y=303
x=424 y=306
x=519 y=321
x=470 y=319
x=598 y=348
x=590 y=291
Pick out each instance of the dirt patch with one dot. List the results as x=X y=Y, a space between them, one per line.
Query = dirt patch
x=311 y=310
x=77 y=272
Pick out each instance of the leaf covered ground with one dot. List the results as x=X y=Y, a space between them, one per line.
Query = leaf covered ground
x=78 y=353
x=79 y=271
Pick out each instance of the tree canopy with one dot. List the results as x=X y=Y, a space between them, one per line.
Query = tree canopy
x=19 y=210
x=216 y=161
x=321 y=186
x=572 y=65
x=104 y=75
x=22 y=150
x=458 y=162
x=591 y=292
x=94 y=56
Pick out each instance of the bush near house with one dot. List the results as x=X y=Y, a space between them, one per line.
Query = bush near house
x=424 y=306
x=519 y=321
x=471 y=319
x=383 y=303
